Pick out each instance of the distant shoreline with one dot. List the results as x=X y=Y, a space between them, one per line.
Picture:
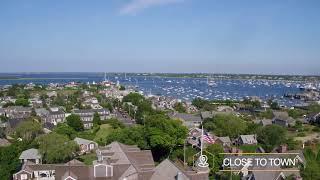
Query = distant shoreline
x=17 y=78
x=217 y=76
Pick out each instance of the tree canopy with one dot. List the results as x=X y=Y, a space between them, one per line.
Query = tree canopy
x=226 y=125
x=160 y=133
x=22 y=102
x=64 y=129
x=75 y=122
x=271 y=136
x=96 y=119
x=9 y=159
x=28 y=129
x=179 y=107
x=143 y=106
x=115 y=123
x=312 y=169
x=56 y=148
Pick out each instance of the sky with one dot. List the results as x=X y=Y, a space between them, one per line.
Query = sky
x=212 y=36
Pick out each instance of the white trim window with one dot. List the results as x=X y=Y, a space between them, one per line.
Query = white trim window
x=91 y=146
x=24 y=176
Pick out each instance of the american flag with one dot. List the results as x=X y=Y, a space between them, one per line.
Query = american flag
x=209 y=139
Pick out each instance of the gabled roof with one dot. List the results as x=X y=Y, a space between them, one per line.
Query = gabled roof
x=248 y=139
x=142 y=160
x=280 y=115
x=77 y=111
x=186 y=117
x=80 y=141
x=225 y=139
x=30 y=154
x=74 y=162
x=167 y=170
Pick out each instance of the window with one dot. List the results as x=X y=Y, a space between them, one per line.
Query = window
x=24 y=176
x=91 y=146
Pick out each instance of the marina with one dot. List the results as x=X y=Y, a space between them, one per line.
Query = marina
x=182 y=88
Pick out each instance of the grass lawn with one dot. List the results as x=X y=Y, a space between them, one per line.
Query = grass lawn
x=87 y=158
x=104 y=131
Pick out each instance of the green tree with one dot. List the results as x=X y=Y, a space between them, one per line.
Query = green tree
x=3 y=118
x=130 y=135
x=56 y=148
x=122 y=88
x=179 y=107
x=13 y=90
x=296 y=113
x=178 y=153
x=160 y=133
x=28 y=129
x=271 y=136
x=96 y=119
x=8 y=104
x=22 y=102
x=75 y=122
x=226 y=125
x=115 y=123
x=266 y=114
x=143 y=106
x=9 y=159
x=273 y=105
x=59 y=100
x=215 y=149
x=64 y=129
x=199 y=102
x=312 y=169
x=108 y=106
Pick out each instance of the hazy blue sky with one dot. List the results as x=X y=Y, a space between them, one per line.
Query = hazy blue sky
x=232 y=36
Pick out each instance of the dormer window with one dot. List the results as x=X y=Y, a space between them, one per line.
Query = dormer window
x=103 y=170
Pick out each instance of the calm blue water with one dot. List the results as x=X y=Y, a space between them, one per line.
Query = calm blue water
x=183 y=88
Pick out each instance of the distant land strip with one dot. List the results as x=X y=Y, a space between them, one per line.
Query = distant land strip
x=44 y=78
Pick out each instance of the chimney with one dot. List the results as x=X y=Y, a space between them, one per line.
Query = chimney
x=283 y=148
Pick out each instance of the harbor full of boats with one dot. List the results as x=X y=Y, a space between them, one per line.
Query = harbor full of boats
x=282 y=91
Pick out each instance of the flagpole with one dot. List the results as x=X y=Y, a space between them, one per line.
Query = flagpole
x=201 y=147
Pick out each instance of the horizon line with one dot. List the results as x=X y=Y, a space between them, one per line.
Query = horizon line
x=206 y=73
